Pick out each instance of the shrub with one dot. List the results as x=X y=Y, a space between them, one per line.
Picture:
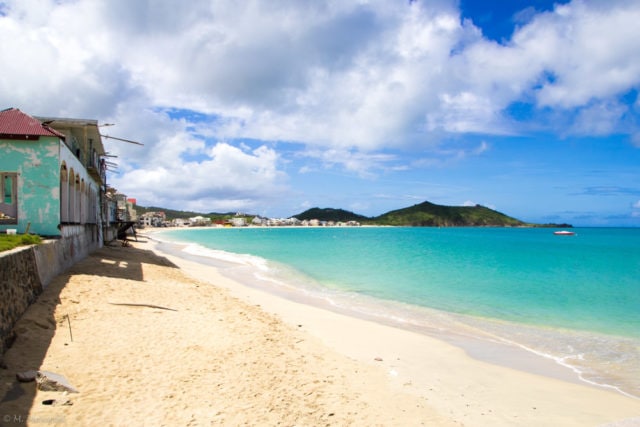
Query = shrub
x=8 y=242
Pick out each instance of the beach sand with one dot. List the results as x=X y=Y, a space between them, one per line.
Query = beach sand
x=151 y=339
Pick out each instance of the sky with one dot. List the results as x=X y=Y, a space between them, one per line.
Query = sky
x=529 y=107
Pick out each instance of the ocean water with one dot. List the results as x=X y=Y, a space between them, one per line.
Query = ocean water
x=572 y=299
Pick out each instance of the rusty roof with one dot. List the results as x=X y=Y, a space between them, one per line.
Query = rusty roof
x=15 y=124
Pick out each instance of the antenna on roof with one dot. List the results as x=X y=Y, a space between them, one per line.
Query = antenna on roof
x=122 y=139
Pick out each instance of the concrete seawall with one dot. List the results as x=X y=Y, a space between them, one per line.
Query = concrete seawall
x=26 y=271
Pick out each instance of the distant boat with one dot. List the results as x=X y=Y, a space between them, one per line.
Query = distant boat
x=564 y=233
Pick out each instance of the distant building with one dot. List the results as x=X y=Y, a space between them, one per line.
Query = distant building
x=199 y=221
x=238 y=221
x=179 y=222
x=153 y=219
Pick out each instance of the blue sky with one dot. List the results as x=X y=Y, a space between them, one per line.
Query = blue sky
x=528 y=107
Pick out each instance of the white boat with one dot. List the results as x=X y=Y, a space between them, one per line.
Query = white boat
x=564 y=233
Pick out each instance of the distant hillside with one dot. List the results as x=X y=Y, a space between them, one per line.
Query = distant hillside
x=174 y=214
x=171 y=214
x=429 y=214
x=425 y=214
x=330 y=214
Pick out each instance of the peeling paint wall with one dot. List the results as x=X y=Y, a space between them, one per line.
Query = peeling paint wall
x=38 y=167
x=38 y=164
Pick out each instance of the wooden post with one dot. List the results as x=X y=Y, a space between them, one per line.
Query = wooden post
x=69 y=323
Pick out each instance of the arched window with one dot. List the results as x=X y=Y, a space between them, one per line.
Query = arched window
x=91 y=205
x=83 y=202
x=72 y=195
x=64 y=194
x=78 y=198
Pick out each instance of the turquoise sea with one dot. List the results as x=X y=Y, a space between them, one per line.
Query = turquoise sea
x=571 y=299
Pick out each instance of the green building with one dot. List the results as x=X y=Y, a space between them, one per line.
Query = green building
x=52 y=177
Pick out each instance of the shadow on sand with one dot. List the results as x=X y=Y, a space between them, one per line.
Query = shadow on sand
x=35 y=329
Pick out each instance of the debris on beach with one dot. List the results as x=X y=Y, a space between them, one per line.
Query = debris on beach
x=58 y=402
x=49 y=381
x=143 y=305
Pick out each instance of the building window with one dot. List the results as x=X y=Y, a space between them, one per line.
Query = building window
x=8 y=190
x=64 y=194
x=9 y=200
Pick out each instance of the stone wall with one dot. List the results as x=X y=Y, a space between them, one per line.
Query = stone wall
x=25 y=271
x=20 y=285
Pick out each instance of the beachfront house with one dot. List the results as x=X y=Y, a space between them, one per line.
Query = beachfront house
x=53 y=177
x=199 y=221
x=153 y=219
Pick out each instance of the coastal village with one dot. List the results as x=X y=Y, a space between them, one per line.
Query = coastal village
x=159 y=219
x=54 y=183
x=324 y=213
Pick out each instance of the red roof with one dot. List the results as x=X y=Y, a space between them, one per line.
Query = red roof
x=15 y=124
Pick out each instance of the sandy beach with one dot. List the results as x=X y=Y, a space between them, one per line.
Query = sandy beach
x=151 y=339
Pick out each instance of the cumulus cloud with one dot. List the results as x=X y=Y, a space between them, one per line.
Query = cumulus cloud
x=361 y=75
x=228 y=178
x=347 y=81
x=594 y=54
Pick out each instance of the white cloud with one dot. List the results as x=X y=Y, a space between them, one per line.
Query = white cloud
x=591 y=48
x=345 y=74
x=599 y=118
x=346 y=80
x=357 y=162
x=636 y=205
x=228 y=177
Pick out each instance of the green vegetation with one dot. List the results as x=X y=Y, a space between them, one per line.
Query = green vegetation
x=425 y=214
x=8 y=241
x=432 y=215
x=330 y=214
x=170 y=214
x=173 y=214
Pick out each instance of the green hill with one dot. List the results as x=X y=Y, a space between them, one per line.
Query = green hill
x=170 y=213
x=432 y=215
x=175 y=214
x=330 y=214
x=425 y=214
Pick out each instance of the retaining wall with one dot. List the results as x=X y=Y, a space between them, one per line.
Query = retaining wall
x=26 y=271
x=20 y=285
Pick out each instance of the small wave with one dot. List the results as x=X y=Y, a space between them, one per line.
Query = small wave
x=579 y=353
x=229 y=257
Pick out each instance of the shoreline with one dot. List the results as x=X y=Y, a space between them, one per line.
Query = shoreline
x=495 y=341
x=410 y=358
x=151 y=345
x=160 y=340
x=510 y=355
